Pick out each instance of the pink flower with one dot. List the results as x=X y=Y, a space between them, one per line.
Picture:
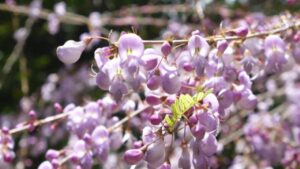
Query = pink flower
x=198 y=46
x=130 y=46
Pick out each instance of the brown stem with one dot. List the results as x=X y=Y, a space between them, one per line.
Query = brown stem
x=39 y=123
x=76 y=19
x=18 y=49
x=216 y=38
x=69 y=18
x=24 y=75
x=152 y=9
x=64 y=115
x=124 y=120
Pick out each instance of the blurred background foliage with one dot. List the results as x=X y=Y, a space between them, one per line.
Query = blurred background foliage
x=39 y=50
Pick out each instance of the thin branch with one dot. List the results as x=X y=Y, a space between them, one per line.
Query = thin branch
x=39 y=123
x=76 y=19
x=215 y=38
x=64 y=160
x=230 y=138
x=16 y=51
x=64 y=115
x=24 y=75
x=124 y=120
x=152 y=9
x=69 y=18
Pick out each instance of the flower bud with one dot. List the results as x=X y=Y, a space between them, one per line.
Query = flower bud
x=193 y=119
x=296 y=37
x=58 y=108
x=171 y=83
x=188 y=66
x=55 y=163
x=53 y=24
x=32 y=115
x=166 y=48
x=74 y=159
x=46 y=165
x=60 y=8
x=153 y=82
x=20 y=34
x=9 y=156
x=150 y=61
x=198 y=131
x=95 y=19
x=242 y=31
x=138 y=144
x=221 y=46
x=70 y=52
x=153 y=100
x=5 y=130
x=155 y=119
x=165 y=166
x=133 y=156
x=87 y=138
x=52 y=154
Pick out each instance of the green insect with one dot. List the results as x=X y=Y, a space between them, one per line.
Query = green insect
x=183 y=104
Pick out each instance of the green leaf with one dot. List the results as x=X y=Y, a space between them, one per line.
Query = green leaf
x=175 y=109
x=183 y=104
x=198 y=97
x=170 y=122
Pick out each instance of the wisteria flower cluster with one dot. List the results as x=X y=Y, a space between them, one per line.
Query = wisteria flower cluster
x=170 y=103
